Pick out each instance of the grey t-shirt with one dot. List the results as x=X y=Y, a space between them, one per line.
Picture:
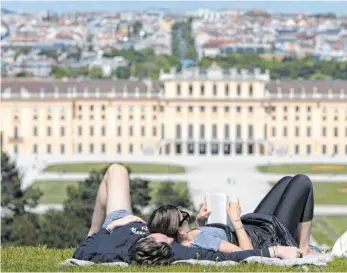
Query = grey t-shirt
x=209 y=238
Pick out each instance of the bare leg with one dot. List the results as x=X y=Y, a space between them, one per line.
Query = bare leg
x=303 y=237
x=99 y=208
x=113 y=194
x=118 y=189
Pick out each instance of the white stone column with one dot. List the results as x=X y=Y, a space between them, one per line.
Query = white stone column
x=244 y=131
x=207 y=147
x=256 y=148
x=244 y=148
x=220 y=129
x=232 y=131
x=184 y=148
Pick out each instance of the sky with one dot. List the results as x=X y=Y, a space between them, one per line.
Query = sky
x=339 y=7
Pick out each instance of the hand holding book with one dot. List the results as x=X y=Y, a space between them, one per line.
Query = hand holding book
x=234 y=211
x=203 y=214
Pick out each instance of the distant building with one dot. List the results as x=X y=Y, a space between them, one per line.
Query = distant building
x=213 y=112
x=35 y=68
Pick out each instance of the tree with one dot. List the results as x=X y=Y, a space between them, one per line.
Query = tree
x=174 y=194
x=95 y=73
x=140 y=198
x=23 y=74
x=24 y=51
x=137 y=27
x=123 y=72
x=60 y=229
x=18 y=226
x=51 y=53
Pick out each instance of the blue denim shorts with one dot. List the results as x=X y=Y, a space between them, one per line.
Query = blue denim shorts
x=115 y=215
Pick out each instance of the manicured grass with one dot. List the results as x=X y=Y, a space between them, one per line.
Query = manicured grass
x=328 y=193
x=54 y=192
x=135 y=168
x=304 y=169
x=326 y=229
x=41 y=259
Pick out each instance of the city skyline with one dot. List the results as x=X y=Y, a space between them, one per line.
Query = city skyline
x=272 y=6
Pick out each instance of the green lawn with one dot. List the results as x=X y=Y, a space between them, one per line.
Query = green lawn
x=55 y=192
x=326 y=229
x=41 y=259
x=135 y=168
x=328 y=193
x=304 y=169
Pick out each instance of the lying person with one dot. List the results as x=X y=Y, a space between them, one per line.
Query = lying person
x=116 y=235
x=285 y=213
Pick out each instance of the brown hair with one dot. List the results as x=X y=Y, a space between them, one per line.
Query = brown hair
x=148 y=252
x=165 y=220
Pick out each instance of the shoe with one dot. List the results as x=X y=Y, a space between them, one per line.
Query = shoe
x=340 y=247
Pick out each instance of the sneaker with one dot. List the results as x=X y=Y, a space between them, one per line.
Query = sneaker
x=340 y=247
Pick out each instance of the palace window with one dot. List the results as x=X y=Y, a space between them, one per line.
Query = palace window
x=202 y=90
x=103 y=148
x=324 y=149
x=226 y=90
x=214 y=90
x=238 y=88
x=178 y=131
x=178 y=91
x=251 y=90
x=190 y=131
x=214 y=131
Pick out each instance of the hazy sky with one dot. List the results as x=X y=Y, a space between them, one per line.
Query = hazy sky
x=339 y=7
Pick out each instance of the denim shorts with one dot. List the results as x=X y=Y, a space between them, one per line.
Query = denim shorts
x=115 y=215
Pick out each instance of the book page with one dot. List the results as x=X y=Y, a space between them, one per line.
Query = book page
x=216 y=203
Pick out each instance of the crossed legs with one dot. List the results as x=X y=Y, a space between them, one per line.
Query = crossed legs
x=291 y=201
x=113 y=194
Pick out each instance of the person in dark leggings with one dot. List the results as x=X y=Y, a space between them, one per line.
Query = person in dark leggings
x=291 y=201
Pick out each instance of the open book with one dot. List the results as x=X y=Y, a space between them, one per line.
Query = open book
x=217 y=203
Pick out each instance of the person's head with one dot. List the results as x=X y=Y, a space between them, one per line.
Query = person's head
x=169 y=220
x=154 y=249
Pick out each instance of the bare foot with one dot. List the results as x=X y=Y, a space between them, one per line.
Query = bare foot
x=309 y=251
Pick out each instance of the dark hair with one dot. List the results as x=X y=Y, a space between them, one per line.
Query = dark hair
x=148 y=252
x=165 y=220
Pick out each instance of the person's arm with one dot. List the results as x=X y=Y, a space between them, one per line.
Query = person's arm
x=228 y=247
x=124 y=221
x=186 y=253
x=234 y=212
x=209 y=241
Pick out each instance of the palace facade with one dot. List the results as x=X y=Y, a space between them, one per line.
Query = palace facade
x=192 y=112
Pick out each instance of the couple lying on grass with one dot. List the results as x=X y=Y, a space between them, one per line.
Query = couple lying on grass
x=279 y=227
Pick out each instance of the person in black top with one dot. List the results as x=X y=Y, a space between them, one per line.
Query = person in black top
x=117 y=235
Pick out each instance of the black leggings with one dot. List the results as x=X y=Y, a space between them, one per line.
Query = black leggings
x=290 y=200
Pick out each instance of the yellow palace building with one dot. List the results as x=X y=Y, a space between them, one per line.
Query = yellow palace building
x=213 y=112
